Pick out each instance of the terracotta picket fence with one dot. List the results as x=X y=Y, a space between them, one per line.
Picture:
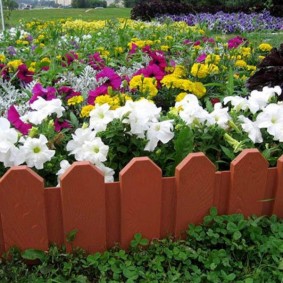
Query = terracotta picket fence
x=141 y=202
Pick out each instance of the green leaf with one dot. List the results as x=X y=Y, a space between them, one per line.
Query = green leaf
x=74 y=120
x=229 y=153
x=32 y=254
x=183 y=144
x=71 y=235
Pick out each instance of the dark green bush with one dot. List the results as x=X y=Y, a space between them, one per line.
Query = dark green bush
x=222 y=249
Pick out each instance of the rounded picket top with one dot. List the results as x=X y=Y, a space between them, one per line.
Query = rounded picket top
x=194 y=160
x=195 y=179
x=22 y=209
x=81 y=168
x=141 y=192
x=83 y=206
x=248 y=183
x=249 y=158
x=20 y=173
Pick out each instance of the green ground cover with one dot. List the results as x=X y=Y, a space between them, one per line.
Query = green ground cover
x=222 y=249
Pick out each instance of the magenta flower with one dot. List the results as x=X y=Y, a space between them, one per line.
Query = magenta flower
x=69 y=57
x=152 y=71
x=235 y=42
x=113 y=79
x=134 y=49
x=201 y=58
x=47 y=93
x=24 y=74
x=58 y=125
x=67 y=92
x=96 y=62
x=14 y=118
x=4 y=72
x=92 y=94
x=158 y=59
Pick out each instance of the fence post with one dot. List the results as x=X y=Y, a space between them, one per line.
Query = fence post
x=22 y=209
x=140 y=183
x=248 y=183
x=83 y=206
x=195 y=179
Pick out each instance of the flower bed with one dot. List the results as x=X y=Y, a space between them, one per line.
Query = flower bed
x=159 y=90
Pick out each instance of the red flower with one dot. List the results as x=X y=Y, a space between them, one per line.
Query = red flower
x=96 y=62
x=69 y=57
x=24 y=74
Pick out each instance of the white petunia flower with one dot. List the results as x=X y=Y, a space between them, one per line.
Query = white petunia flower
x=219 y=116
x=252 y=129
x=94 y=151
x=36 y=152
x=239 y=103
x=271 y=118
x=159 y=131
x=190 y=110
x=259 y=99
x=79 y=138
x=107 y=172
x=100 y=117
x=140 y=114
x=44 y=108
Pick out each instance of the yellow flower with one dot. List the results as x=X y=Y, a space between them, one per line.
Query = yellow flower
x=212 y=58
x=180 y=96
x=168 y=81
x=265 y=47
x=32 y=66
x=13 y=65
x=40 y=37
x=2 y=58
x=246 y=51
x=251 y=68
x=75 y=100
x=45 y=60
x=146 y=86
x=114 y=101
x=261 y=57
x=199 y=70
x=86 y=110
x=179 y=71
x=241 y=63
x=198 y=89
x=164 y=47
x=41 y=45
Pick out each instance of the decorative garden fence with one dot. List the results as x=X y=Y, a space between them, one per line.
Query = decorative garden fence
x=141 y=202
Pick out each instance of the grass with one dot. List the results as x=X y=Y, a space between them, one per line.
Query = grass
x=52 y=14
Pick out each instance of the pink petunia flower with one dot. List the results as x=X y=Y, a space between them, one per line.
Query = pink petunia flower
x=58 y=125
x=47 y=93
x=96 y=62
x=92 y=94
x=235 y=42
x=113 y=79
x=201 y=58
x=15 y=120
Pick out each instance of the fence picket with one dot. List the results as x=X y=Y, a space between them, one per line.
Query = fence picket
x=22 y=209
x=54 y=215
x=141 y=185
x=83 y=206
x=248 y=183
x=195 y=179
x=278 y=202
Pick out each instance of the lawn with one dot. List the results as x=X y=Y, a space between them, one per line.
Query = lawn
x=52 y=14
